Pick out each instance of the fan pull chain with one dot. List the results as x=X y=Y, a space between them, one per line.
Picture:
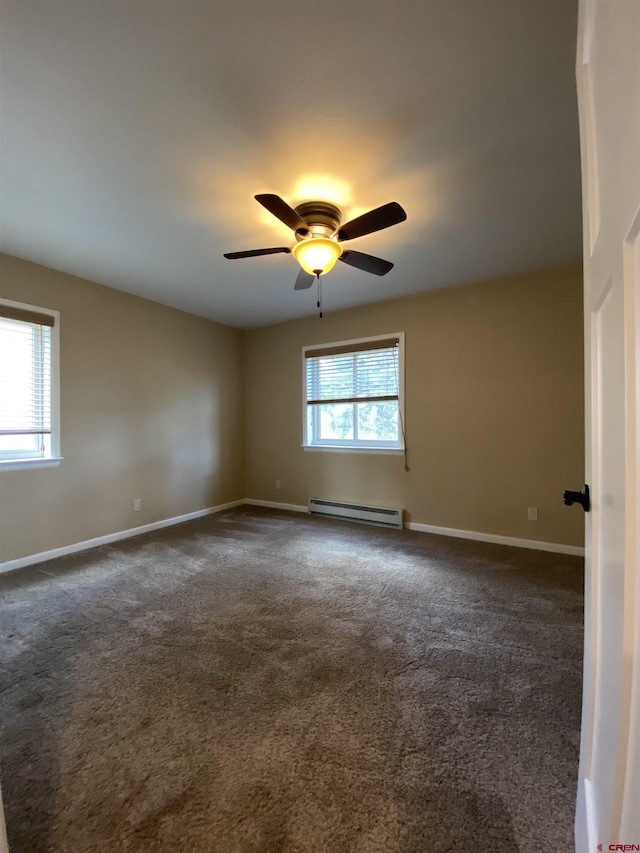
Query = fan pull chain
x=319 y=302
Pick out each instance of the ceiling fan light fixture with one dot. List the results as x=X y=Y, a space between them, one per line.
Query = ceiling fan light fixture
x=317 y=255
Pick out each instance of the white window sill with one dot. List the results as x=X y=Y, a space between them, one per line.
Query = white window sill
x=333 y=448
x=38 y=462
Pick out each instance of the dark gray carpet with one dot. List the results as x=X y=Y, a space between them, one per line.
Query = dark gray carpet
x=261 y=682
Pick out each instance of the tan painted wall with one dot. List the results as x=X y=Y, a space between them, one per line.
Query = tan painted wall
x=494 y=408
x=151 y=407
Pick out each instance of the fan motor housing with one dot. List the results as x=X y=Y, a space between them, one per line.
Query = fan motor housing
x=322 y=217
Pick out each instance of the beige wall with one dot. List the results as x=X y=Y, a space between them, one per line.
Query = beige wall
x=494 y=408
x=151 y=407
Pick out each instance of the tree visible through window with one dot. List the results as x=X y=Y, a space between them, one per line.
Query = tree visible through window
x=353 y=394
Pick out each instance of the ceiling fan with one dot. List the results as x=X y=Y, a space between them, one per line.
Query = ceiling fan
x=319 y=236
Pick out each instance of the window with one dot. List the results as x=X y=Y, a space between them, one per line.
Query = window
x=352 y=394
x=28 y=386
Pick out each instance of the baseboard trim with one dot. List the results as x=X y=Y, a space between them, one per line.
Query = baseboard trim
x=43 y=556
x=534 y=544
x=276 y=505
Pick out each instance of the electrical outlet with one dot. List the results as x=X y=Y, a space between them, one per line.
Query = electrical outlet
x=277 y=484
x=137 y=504
x=532 y=513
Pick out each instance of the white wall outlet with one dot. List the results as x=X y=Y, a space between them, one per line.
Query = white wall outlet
x=277 y=484
x=532 y=513
x=137 y=504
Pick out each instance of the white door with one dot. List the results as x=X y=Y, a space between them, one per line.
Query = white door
x=608 y=74
x=4 y=845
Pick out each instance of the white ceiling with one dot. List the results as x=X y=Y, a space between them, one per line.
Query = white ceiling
x=135 y=135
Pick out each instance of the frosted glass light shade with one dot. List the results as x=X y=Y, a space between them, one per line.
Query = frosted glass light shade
x=317 y=254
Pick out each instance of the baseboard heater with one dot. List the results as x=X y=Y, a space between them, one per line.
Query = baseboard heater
x=357 y=512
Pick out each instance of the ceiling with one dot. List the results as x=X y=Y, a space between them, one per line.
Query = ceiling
x=135 y=135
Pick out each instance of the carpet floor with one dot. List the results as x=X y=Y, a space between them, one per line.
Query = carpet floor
x=264 y=682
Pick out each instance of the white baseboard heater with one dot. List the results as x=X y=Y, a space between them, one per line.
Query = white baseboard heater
x=357 y=512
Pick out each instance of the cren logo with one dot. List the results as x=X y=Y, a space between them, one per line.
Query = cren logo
x=622 y=847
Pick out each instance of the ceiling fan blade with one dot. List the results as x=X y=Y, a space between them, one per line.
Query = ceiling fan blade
x=281 y=210
x=253 y=253
x=375 y=220
x=368 y=263
x=304 y=280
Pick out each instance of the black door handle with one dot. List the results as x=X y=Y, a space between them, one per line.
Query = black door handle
x=581 y=497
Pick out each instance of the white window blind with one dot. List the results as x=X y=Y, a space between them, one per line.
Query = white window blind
x=25 y=382
x=358 y=374
x=352 y=395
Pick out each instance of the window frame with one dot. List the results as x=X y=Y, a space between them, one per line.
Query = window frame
x=50 y=457
x=311 y=414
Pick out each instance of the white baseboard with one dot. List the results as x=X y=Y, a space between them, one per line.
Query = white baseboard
x=43 y=556
x=10 y=565
x=535 y=544
x=276 y=505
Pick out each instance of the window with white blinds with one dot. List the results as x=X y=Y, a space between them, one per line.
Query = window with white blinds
x=353 y=394
x=28 y=418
